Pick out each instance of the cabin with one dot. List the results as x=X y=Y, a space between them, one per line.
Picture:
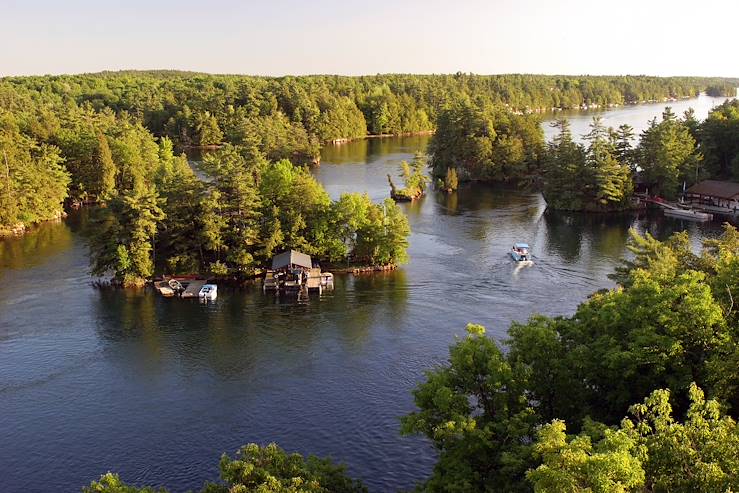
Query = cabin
x=294 y=271
x=714 y=196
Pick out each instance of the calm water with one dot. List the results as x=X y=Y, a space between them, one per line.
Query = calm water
x=156 y=389
x=637 y=116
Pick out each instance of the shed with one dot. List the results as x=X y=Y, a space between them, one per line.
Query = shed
x=724 y=190
x=291 y=259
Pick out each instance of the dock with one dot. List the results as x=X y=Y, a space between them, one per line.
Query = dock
x=677 y=210
x=192 y=288
x=294 y=272
x=184 y=287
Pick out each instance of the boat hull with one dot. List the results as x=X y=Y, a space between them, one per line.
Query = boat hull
x=519 y=258
x=690 y=215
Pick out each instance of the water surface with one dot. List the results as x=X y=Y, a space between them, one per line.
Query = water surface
x=156 y=389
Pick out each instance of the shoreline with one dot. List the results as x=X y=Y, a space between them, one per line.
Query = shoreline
x=111 y=283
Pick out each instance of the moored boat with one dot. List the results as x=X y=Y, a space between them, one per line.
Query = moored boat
x=690 y=214
x=208 y=292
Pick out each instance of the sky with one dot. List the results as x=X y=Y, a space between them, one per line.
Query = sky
x=279 y=37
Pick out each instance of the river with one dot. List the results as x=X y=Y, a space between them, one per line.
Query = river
x=637 y=116
x=156 y=389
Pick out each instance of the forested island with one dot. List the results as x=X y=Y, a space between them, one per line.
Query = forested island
x=486 y=143
x=638 y=391
x=112 y=139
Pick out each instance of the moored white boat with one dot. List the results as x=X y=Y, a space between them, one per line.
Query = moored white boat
x=689 y=214
x=208 y=292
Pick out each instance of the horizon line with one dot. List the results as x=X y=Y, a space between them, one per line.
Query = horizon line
x=327 y=74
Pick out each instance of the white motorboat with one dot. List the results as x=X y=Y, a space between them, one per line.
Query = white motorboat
x=520 y=252
x=689 y=214
x=208 y=292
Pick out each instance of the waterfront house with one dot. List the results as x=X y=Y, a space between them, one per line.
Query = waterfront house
x=714 y=196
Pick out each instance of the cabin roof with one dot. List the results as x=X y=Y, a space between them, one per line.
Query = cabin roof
x=715 y=188
x=291 y=257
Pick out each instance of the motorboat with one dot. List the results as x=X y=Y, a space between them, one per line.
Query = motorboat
x=327 y=280
x=208 y=292
x=520 y=252
x=689 y=214
x=164 y=288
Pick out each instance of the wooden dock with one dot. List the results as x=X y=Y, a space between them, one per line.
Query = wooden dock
x=316 y=281
x=193 y=288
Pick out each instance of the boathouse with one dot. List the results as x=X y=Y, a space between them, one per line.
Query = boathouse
x=291 y=260
x=718 y=197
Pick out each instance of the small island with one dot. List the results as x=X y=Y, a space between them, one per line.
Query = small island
x=414 y=177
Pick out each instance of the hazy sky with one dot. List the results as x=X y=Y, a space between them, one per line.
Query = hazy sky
x=277 y=37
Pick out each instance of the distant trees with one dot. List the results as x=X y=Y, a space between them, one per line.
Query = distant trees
x=208 y=131
x=726 y=89
x=106 y=126
x=486 y=143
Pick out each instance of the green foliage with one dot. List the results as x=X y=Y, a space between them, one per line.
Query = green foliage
x=589 y=178
x=612 y=465
x=475 y=411
x=104 y=125
x=256 y=469
x=672 y=322
x=208 y=131
x=451 y=181
x=699 y=455
x=725 y=89
x=111 y=483
x=651 y=451
x=486 y=142
x=123 y=238
x=718 y=136
x=414 y=177
x=667 y=156
x=33 y=181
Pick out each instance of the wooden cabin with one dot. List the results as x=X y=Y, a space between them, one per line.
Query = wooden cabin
x=714 y=196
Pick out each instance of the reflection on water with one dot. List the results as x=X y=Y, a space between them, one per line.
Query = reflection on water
x=157 y=389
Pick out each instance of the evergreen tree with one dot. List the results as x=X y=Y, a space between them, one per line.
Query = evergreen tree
x=104 y=186
x=667 y=155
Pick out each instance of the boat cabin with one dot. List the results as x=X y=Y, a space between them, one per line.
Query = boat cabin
x=520 y=252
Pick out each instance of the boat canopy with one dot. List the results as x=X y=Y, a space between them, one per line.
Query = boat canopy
x=521 y=245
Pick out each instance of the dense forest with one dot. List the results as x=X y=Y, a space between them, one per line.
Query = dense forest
x=638 y=391
x=486 y=143
x=112 y=139
x=233 y=222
